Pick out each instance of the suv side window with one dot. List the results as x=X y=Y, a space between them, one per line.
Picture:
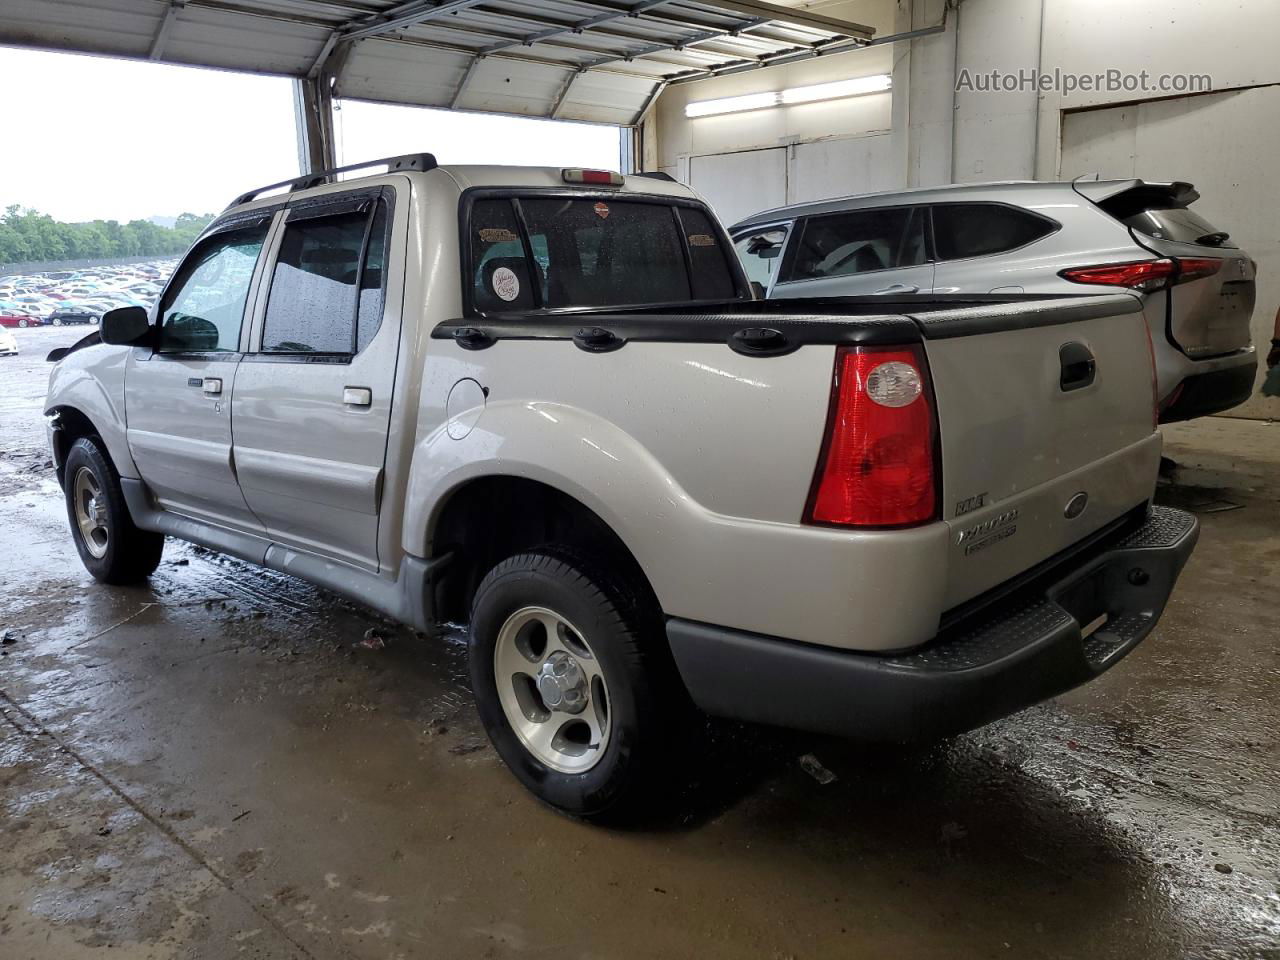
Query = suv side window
x=204 y=308
x=318 y=286
x=761 y=253
x=981 y=229
x=858 y=241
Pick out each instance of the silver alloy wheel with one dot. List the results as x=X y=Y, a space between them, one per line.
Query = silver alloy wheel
x=91 y=512
x=552 y=689
x=57 y=321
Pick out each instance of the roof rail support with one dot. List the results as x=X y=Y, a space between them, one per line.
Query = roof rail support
x=409 y=161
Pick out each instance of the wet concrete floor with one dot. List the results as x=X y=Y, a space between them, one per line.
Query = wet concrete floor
x=212 y=766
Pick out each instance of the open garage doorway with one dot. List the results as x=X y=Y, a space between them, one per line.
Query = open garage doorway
x=367 y=130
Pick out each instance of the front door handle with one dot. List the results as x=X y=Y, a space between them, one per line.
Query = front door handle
x=212 y=386
x=357 y=396
x=899 y=288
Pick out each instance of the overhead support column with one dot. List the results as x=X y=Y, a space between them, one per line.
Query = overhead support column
x=161 y=39
x=313 y=120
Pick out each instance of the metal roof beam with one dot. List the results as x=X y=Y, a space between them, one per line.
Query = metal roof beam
x=462 y=84
x=563 y=95
x=801 y=18
x=161 y=38
x=577 y=26
x=404 y=15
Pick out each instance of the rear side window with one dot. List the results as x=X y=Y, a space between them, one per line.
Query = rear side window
x=593 y=251
x=326 y=284
x=858 y=241
x=981 y=229
x=204 y=308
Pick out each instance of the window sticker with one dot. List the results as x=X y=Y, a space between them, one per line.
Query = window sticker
x=506 y=284
x=602 y=210
x=701 y=240
x=498 y=235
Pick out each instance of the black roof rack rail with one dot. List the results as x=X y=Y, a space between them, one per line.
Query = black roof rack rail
x=409 y=161
x=656 y=175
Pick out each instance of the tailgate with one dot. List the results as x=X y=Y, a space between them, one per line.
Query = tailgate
x=1209 y=316
x=1045 y=413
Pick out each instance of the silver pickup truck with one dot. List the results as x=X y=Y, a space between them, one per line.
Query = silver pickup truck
x=544 y=402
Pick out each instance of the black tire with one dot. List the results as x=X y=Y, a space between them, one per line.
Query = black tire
x=647 y=704
x=130 y=554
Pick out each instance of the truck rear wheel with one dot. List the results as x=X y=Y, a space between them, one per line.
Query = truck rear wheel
x=111 y=547
x=572 y=682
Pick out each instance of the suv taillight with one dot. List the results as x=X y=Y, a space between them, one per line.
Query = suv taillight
x=1146 y=275
x=878 y=463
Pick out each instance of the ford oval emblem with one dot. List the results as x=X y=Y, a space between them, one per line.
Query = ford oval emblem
x=1076 y=505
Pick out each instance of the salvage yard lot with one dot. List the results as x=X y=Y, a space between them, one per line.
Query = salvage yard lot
x=228 y=749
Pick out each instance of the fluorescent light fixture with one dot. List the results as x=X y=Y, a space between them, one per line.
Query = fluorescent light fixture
x=853 y=87
x=751 y=101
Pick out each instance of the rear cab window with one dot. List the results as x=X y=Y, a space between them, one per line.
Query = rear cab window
x=554 y=251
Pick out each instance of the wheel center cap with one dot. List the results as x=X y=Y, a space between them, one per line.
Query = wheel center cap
x=92 y=510
x=562 y=684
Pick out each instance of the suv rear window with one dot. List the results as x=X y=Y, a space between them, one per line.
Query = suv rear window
x=1178 y=224
x=980 y=229
x=593 y=251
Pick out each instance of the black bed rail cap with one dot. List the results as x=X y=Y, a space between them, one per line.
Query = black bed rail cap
x=409 y=161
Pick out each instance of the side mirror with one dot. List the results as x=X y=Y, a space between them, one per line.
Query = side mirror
x=125 y=326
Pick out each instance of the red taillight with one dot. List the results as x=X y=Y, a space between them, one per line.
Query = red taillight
x=1140 y=275
x=604 y=178
x=877 y=467
x=1145 y=275
x=1193 y=268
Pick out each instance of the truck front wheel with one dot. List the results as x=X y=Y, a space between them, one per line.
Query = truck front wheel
x=573 y=685
x=111 y=547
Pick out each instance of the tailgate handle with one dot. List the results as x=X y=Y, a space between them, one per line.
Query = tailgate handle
x=1078 y=366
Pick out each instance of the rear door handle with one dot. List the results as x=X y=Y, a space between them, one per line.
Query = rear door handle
x=212 y=386
x=357 y=396
x=899 y=288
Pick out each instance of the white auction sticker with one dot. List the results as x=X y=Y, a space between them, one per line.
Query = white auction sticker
x=506 y=284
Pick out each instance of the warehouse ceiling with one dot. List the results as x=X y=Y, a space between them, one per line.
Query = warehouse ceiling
x=598 y=60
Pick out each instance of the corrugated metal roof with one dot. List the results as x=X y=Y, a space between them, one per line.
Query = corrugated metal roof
x=597 y=60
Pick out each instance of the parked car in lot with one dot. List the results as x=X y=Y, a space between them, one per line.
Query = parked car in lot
x=1198 y=287
x=19 y=320
x=545 y=402
x=62 y=316
x=8 y=344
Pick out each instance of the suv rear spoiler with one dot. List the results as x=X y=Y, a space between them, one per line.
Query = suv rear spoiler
x=1178 y=193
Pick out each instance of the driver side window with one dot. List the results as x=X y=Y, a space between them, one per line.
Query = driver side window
x=203 y=311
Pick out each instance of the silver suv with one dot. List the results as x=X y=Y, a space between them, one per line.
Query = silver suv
x=1034 y=238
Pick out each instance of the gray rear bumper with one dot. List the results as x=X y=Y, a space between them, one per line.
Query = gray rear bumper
x=1024 y=648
